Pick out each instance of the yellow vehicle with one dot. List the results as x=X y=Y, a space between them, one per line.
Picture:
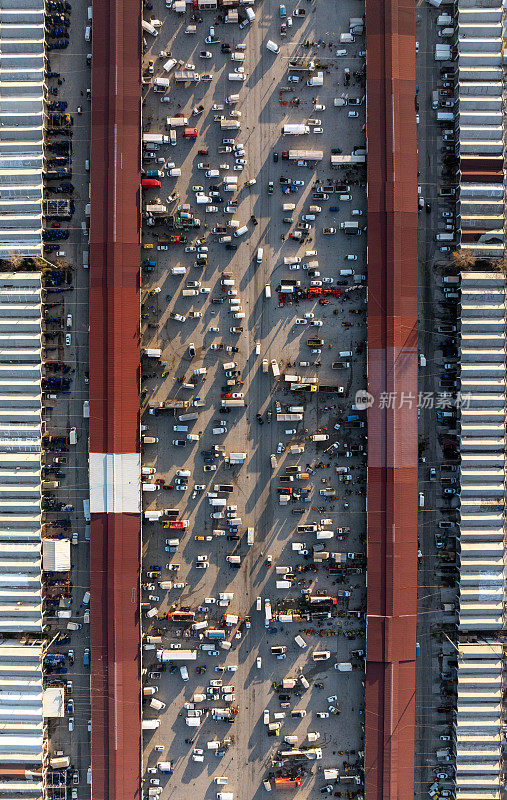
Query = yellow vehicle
x=148 y=246
x=199 y=538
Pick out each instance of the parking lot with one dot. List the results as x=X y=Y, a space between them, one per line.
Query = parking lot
x=66 y=345
x=438 y=303
x=327 y=482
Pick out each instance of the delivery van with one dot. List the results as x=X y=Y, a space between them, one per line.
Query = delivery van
x=321 y=655
x=272 y=46
x=161 y=84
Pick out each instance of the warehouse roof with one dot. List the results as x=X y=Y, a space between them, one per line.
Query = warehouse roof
x=22 y=120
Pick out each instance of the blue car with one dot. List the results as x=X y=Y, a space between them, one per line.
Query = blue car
x=335 y=208
x=283 y=12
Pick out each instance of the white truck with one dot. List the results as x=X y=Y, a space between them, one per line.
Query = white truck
x=295 y=129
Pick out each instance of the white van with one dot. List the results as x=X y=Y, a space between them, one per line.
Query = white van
x=241 y=231
x=250 y=14
x=184 y=672
x=178 y=270
x=321 y=655
x=88 y=33
x=267 y=290
x=272 y=46
x=421 y=499
x=300 y=642
x=260 y=253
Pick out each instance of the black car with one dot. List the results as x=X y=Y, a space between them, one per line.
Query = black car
x=428 y=208
x=275 y=156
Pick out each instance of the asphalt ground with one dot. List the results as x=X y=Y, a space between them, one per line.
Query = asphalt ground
x=255 y=483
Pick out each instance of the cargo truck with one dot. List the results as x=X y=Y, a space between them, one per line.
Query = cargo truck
x=295 y=129
x=176 y=655
x=308 y=155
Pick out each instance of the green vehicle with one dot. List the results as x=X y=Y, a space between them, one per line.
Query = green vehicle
x=270 y=187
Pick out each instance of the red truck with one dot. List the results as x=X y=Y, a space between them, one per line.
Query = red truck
x=151 y=183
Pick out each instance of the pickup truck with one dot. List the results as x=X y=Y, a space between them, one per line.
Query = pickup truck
x=225 y=149
x=314 y=341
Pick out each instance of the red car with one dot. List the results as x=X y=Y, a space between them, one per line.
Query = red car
x=203 y=152
x=226 y=396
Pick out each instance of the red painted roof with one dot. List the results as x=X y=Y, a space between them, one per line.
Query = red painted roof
x=114 y=394
x=392 y=380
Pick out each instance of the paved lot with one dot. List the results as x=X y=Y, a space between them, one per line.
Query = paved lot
x=435 y=588
x=67 y=410
x=255 y=483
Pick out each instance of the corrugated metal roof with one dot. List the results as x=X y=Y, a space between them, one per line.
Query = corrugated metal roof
x=22 y=121
x=114 y=396
x=392 y=432
x=21 y=716
x=480 y=121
